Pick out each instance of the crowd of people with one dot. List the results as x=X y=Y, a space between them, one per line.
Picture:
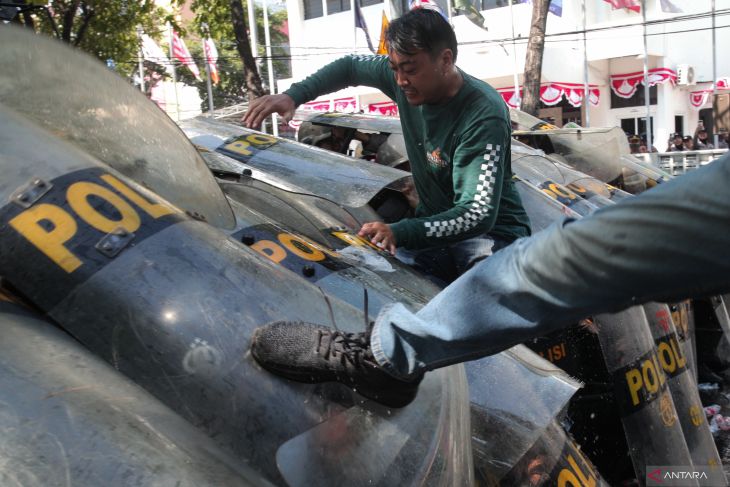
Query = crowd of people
x=677 y=142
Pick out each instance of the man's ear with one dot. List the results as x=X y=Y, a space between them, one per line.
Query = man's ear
x=447 y=57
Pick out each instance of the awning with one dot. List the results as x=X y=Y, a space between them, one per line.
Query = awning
x=551 y=94
x=698 y=98
x=625 y=85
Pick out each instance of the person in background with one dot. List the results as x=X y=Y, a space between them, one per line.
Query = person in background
x=635 y=144
x=675 y=143
x=702 y=140
x=688 y=143
x=645 y=144
x=722 y=140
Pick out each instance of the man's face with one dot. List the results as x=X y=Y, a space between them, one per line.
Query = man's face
x=422 y=79
x=678 y=141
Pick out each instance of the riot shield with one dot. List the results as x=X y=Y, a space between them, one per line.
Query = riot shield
x=647 y=410
x=554 y=459
x=68 y=418
x=171 y=302
x=683 y=389
x=99 y=113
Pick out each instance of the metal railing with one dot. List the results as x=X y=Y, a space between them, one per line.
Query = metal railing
x=676 y=163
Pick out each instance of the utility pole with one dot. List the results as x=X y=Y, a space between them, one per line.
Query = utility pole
x=715 y=135
x=586 y=86
x=515 y=76
x=647 y=91
x=270 y=64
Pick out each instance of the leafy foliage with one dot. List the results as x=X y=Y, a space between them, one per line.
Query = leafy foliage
x=217 y=15
x=105 y=28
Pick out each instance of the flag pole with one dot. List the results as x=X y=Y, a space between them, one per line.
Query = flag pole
x=270 y=64
x=715 y=135
x=254 y=32
x=174 y=73
x=586 y=86
x=206 y=32
x=514 y=56
x=647 y=92
x=141 y=59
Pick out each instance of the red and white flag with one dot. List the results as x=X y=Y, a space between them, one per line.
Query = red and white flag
x=211 y=55
x=154 y=53
x=634 y=5
x=181 y=53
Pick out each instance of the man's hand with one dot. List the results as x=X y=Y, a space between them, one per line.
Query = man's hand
x=262 y=107
x=379 y=234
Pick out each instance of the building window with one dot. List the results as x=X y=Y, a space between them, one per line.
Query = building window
x=637 y=100
x=334 y=6
x=312 y=9
x=678 y=124
x=365 y=3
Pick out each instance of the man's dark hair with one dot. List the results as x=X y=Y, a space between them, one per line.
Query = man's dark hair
x=421 y=29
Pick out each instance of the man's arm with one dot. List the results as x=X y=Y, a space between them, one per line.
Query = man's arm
x=347 y=71
x=669 y=243
x=477 y=176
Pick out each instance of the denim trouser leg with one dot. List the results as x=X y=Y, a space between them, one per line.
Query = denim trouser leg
x=670 y=243
x=448 y=262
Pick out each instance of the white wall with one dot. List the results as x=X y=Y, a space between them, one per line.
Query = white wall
x=619 y=49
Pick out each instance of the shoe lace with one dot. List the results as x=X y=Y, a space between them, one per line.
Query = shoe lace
x=345 y=347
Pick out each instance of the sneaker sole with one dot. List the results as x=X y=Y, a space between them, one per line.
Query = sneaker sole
x=399 y=400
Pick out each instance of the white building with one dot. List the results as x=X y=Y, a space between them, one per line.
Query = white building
x=323 y=30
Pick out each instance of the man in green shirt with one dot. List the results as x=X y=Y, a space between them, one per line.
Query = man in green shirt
x=457 y=133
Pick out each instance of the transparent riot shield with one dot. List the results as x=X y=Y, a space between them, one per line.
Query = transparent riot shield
x=683 y=319
x=683 y=388
x=101 y=114
x=170 y=301
x=554 y=459
x=650 y=420
x=69 y=418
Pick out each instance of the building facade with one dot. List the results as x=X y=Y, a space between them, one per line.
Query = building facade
x=679 y=47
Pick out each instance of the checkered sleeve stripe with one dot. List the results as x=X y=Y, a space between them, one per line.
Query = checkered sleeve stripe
x=479 y=208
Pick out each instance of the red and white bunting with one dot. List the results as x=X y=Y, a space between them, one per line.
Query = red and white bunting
x=387 y=108
x=181 y=53
x=553 y=93
x=342 y=105
x=698 y=98
x=625 y=85
x=317 y=106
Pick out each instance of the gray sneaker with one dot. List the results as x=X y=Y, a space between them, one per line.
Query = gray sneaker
x=305 y=352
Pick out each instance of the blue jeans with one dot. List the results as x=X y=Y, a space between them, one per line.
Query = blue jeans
x=446 y=263
x=670 y=243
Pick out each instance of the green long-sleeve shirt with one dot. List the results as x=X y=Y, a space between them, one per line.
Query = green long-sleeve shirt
x=459 y=153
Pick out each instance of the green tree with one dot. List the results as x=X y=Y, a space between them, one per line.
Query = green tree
x=105 y=28
x=239 y=74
